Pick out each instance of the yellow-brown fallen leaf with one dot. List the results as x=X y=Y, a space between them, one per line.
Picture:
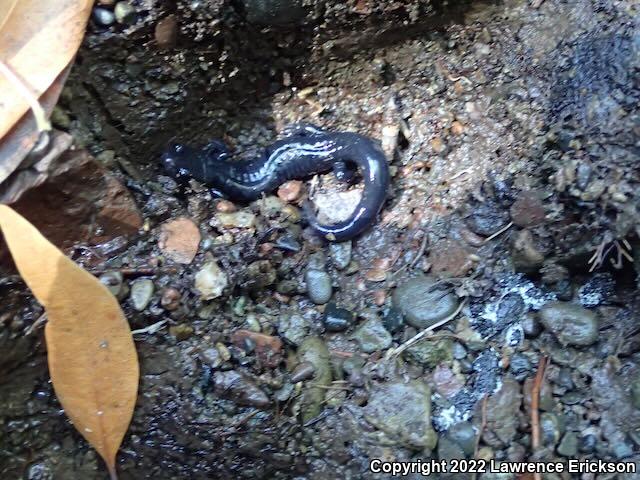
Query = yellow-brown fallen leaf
x=37 y=40
x=91 y=354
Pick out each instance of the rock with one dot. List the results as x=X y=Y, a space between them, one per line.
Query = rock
x=450 y=258
x=170 y=299
x=430 y=353
x=422 y=306
x=274 y=12
x=527 y=210
x=340 y=254
x=336 y=319
x=179 y=240
x=449 y=450
x=403 y=412
x=236 y=219
x=101 y=209
x=225 y=206
x=239 y=388
x=527 y=255
x=464 y=435
x=114 y=281
x=314 y=351
x=166 y=32
x=446 y=382
x=181 y=331
x=125 y=13
x=392 y=319
x=319 y=286
x=211 y=357
x=486 y=219
x=372 y=336
x=568 y=445
x=103 y=16
x=259 y=275
x=336 y=207
x=210 y=281
x=502 y=411
x=141 y=293
x=570 y=323
x=304 y=371
x=588 y=443
x=551 y=429
x=290 y=191
x=531 y=325
x=268 y=349
x=635 y=393
x=520 y=366
x=288 y=243
x=293 y=328
x=597 y=291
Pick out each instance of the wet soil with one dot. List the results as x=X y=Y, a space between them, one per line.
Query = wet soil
x=514 y=134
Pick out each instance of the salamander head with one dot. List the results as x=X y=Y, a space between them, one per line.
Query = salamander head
x=178 y=160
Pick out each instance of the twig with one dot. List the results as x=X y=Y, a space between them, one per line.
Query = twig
x=535 y=405
x=416 y=338
x=499 y=232
x=414 y=260
x=42 y=122
x=153 y=328
x=483 y=425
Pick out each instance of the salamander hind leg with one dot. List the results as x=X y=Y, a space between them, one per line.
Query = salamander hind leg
x=343 y=172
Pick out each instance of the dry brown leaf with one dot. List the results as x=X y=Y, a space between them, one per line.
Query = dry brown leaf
x=37 y=40
x=92 y=357
x=6 y=7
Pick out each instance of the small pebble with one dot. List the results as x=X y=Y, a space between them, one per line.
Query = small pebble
x=319 y=286
x=336 y=319
x=141 y=293
x=304 y=371
x=372 y=336
x=166 y=32
x=125 y=13
x=340 y=254
x=570 y=323
x=210 y=281
x=104 y=17
x=422 y=304
x=225 y=206
x=290 y=191
x=170 y=299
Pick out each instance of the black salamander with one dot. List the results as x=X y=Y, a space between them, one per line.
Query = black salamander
x=306 y=151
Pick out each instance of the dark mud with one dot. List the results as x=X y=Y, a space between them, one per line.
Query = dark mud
x=515 y=133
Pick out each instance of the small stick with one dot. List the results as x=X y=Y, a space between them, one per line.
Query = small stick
x=499 y=232
x=153 y=328
x=419 y=336
x=535 y=405
x=483 y=425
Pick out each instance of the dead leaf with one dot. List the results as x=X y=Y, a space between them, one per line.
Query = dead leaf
x=6 y=7
x=92 y=359
x=37 y=41
x=19 y=141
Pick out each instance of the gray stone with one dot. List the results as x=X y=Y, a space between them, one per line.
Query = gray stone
x=340 y=254
x=372 y=336
x=421 y=305
x=570 y=323
x=403 y=412
x=319 y=286
x=293 y=328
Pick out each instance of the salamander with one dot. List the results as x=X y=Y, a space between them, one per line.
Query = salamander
x=305 y=151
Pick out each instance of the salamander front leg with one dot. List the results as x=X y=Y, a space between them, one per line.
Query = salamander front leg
x=216 y=150
x=302 y=129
